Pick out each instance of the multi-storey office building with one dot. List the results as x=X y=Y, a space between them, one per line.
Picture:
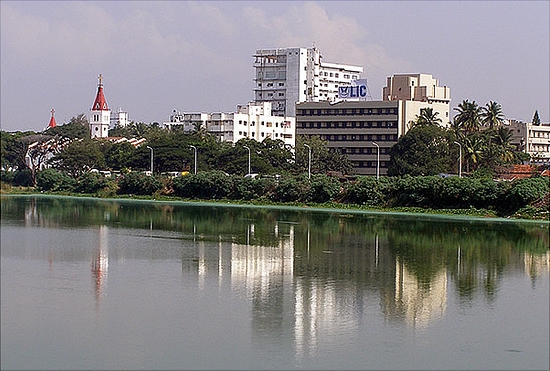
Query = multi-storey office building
x=287 y=76
x=353 y=127
x=253 y=121
x=532 y=139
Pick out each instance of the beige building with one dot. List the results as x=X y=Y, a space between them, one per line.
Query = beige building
x=420 y=87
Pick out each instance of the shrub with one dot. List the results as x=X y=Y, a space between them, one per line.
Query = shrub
x=291 y=189
x=204 y=185
x=90 y=183
x=418 y=191
x=54 y=180
x=322 y=188
x=138 y=183
x=23 y=178
x=366 y=190
x=525 y=191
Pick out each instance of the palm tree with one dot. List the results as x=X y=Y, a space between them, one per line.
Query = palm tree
x=503 y=138
x=491 y=115
x=468 y=116
x=473 y=150
x=427 y=117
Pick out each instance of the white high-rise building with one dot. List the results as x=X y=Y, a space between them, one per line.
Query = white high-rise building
x=287 y=76
x=100 y=116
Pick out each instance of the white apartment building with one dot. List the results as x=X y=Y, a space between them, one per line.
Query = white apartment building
x=253 y=121
x=119 y=119
x=422 y=88
x=287 y=76
x=532 y=139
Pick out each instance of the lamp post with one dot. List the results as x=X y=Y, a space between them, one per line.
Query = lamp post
x=459 y=159
x=151 y=159
x=309 y=161
x=377 y=160
x=195 y=148
x=248 y=158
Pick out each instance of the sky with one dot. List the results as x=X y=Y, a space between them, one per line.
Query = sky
x=197 y=56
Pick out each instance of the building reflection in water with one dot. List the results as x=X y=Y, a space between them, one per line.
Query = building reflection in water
x=100 y=264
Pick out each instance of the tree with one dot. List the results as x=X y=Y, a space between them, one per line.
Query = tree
x=77 y=128
x=117 y=155
x=423 y=150
x=536 y=118
x=427 y=117
x=468 y=117
x=473 y=146
x=491 y=115
x=79 y=156
x=323 y=159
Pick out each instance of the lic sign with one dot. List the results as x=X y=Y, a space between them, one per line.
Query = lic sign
x=358 y=89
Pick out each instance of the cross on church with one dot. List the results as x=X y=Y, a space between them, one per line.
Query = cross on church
x=53 y=111
x=100 y=79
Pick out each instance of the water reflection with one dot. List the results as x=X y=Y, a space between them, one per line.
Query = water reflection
x=100 y=264
x=307 y=275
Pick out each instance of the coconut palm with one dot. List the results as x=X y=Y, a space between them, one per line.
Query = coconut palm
x=468 y=116
x=427 y=117
x=503 y=138
x=491 y=115
x=473 y=150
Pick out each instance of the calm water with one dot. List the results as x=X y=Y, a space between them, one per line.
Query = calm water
x=90 y=284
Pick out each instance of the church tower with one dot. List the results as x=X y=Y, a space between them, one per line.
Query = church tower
x=52 y=123
x=100 y=116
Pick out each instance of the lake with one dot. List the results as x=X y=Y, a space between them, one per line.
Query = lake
x=128 y=284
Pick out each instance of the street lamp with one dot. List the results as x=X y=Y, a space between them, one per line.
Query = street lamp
x=377 y=160
x=248 y=158
x=151 y=159
x=459 y=159
x=309 y=161
x=195 y=148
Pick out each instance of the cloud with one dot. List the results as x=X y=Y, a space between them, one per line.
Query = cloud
x=340 y=39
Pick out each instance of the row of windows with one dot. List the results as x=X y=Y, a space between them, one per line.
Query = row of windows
x=335 y=74
x=285 y=136
x=360 y=137
x=539 y=134
x=270 y=84
x=271 y=95
x=368 y=164
x=346 y=124
x=346 y=111
x=364 y=150
x=263 y=123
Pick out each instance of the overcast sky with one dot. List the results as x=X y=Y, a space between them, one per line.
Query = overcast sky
x=156 y=56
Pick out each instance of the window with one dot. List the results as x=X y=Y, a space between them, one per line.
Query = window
x=281 y=84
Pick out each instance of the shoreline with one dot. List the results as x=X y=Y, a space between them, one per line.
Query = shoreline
x=451 y=214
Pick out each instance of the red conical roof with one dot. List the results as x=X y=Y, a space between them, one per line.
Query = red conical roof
x=52 y=123
x=100 y=104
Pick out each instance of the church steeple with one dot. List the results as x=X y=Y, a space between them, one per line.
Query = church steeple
x=100 y=104
x=52 y=123
x=100 y=116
